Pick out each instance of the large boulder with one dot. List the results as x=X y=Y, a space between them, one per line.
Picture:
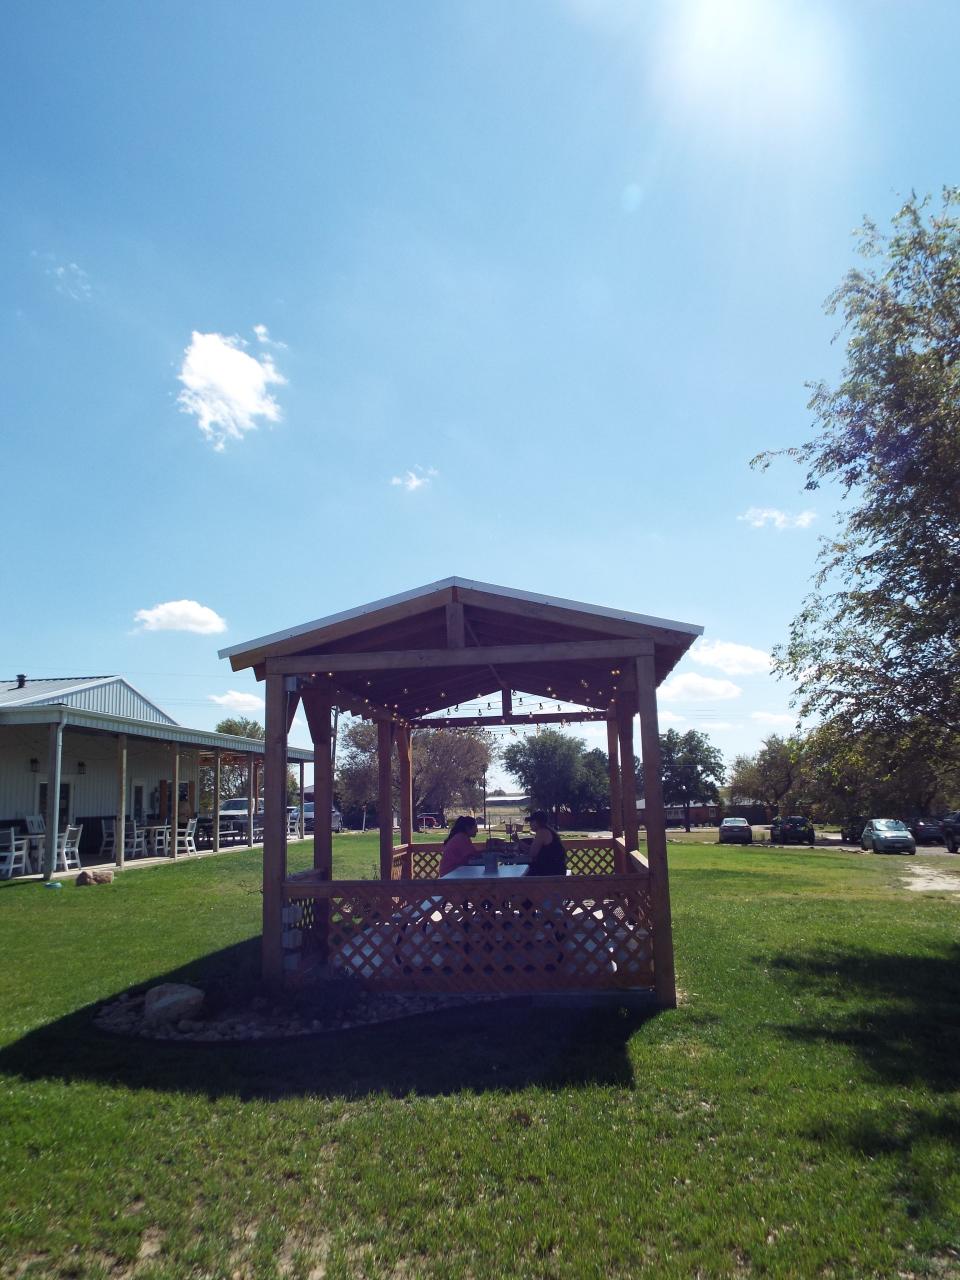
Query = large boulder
x=170 y=1002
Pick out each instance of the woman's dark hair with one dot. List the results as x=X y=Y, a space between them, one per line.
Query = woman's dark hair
x=541 y=817
x=462 y=826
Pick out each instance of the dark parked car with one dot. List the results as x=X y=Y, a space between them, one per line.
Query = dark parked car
x=887 y=835
x=926 y=830
x=951 y=831
x=795 y=830
x=851 y=829
x=736 y=831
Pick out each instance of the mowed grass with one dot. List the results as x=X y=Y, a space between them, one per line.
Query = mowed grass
x=798 y=1115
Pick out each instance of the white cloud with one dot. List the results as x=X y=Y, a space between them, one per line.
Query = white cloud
x=226 y=389
x=234 y=700
x=670 y=717
x=263 y=337
x=759 y=517
x=691 y=687
x=181 y=615
x=68 y=279
x=772 y=717
x=730 y=658
x=415 y=478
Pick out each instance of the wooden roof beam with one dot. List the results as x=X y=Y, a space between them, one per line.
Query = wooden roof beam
x=435 y=659
x=491 y=722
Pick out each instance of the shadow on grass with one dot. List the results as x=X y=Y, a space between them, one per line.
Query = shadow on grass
x=899 y=1012
x=503 y=1045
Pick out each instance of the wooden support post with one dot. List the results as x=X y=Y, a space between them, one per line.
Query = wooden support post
x=506 y=702
x=120 y=825
x=628 y=779
x=663 y=968
x=274 y=828
x=301 y=824
x=175 y=816
x=405 y=752
x=616 y=791
x=318 y=709
x=251 y=799
x=217 y=763
x=52 y=816
x=384 y=796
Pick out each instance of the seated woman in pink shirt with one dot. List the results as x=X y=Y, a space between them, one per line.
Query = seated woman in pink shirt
x=457 y=849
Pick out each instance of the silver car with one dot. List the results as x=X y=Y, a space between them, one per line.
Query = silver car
x=887 y=835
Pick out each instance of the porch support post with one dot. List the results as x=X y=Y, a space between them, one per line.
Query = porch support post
x=274 y=828
x=613 y=761
x=384 y=796
x=318 y=710
x=628 y=781
x=301 y=825
x=175 y=803
x=217 y=763
x=52 y=816
x=405 y=752
x=120 y=825
x=663 y=970
x=251 y=800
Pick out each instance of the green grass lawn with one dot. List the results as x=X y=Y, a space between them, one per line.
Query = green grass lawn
x=798 y=1115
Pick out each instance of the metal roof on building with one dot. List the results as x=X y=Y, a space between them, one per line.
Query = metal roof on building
x=108 y=695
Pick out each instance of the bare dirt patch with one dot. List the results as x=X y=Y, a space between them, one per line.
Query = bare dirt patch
x=928 y=880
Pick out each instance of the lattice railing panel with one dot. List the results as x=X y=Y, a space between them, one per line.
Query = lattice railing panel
x=426 y=861
x=567 y=934
x=590 y=858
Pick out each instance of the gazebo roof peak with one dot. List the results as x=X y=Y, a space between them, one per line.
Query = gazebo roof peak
x=438 y=593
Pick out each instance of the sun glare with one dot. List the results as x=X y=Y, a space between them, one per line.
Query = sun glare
x=751 y=67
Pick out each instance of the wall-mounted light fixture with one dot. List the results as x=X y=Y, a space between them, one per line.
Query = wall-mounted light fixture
x=34 y=764
x=81 y=768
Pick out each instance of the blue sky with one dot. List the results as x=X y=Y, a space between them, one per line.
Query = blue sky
x=305 y=305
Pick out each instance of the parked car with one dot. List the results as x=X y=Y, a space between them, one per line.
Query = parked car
x=336 y=817
x=851 y=829
x=951 y=830
x=926 y=830
x=736 y=831
x=428 y=822
x=887 y=835
x=239 y=805
x=795 y=830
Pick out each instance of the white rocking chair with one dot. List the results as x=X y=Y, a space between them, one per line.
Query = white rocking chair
x=13 y=854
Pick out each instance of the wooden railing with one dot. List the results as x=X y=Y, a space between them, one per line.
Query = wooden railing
x=591 y=856
x=552 y=933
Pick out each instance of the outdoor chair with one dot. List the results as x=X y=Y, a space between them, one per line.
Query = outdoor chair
x=161 y=842
x=36 y=839
x=186 y=842
x=134 y=841
x=68 y=849
x=293 y=824
x=108 y=838
x=13 y=853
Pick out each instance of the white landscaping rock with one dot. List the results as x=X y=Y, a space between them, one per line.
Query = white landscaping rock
x=170 y=1002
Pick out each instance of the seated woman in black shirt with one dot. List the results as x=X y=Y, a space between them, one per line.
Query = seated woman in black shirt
x=547 y=856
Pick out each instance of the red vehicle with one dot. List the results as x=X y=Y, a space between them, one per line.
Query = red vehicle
x=428 y=822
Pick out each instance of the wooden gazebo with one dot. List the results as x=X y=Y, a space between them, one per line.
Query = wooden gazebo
x=398 y=662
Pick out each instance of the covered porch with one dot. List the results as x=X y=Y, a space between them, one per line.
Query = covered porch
x=400 y=661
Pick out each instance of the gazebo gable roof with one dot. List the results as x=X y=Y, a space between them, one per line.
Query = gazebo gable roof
x=500 y=622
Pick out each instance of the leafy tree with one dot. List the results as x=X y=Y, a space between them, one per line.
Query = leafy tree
x=592 y=784
x=233 y=777
x=770 y=776
x=877 y=643
x=548 y=767
x=448 y=768
x=693 y=770
x=892 y=774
